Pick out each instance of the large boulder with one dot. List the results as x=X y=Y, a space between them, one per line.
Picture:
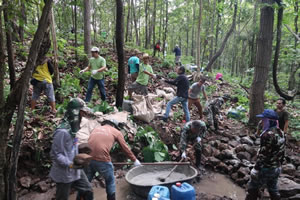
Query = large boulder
x=289 y=169
x=244 y=155
x=239 y=148
x=247 y=140
x=288 y=188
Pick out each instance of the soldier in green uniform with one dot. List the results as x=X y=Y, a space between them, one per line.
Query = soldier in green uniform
x=270 y=157
x=193 y=132
x=212 y=109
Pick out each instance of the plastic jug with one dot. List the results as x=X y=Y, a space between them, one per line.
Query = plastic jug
x=159 y=192
x=183 y=191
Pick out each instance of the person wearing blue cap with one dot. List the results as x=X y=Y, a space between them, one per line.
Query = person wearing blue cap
x=270 y=157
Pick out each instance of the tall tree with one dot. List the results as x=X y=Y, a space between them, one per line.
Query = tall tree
x=153 y=26
x=10 y=50
x=253 y=42
x=135 y=23
x=2 y=63
x=75 y=28
x=87 y=27
x=146 y=24
x=56 y=81
x=166 y=26
x=292 y=80
x=22 y=20
x=17 y=97
x=219 y=52
x=128 y=20
x=199 y=34
x=120 y=52
x=263 y=60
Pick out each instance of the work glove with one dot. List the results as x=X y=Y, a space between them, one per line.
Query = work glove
x=81 y=71
x=183 y=155
x=154 y=76
x=254 y=173
x=137 y=163
x=94 y=72
x=198 y=139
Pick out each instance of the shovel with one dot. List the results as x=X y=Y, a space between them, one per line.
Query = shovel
x=163 y=179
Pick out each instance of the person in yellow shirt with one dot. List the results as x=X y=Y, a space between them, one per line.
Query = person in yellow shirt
x=42 y=82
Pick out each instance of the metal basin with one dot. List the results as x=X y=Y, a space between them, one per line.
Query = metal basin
x=142 y=178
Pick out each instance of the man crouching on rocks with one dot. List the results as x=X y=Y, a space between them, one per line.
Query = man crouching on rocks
x=193 y=132
x=270 y=157
x=66 y=162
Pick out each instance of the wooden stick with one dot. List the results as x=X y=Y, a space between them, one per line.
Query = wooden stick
x=154 y=163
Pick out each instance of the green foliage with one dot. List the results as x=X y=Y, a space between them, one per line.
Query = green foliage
x=172 y=75
x=168 y=64
x=296 y=135
x=155 y=149
x=103 y=107
x=177 y=115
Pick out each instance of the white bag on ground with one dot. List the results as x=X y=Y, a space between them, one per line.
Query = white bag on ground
x=142 y=108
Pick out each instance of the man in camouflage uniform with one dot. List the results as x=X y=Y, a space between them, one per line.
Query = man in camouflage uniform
x=270 y=157
x=212 y=109
x=66 y=170
x=193 y=131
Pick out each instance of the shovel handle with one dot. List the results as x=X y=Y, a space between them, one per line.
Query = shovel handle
x=154 y=163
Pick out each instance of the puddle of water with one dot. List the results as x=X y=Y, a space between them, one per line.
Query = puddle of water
x=218 y=184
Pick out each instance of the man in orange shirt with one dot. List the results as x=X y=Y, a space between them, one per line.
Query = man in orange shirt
x=100 y=142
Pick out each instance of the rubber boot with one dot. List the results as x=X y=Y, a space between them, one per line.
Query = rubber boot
x=275 y=196
x=252 y=194
x=111 y=197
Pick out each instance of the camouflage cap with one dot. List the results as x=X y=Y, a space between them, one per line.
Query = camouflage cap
x=76 y=105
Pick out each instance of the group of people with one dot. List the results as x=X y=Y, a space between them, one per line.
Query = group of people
x=71 y=169
x=42 y=79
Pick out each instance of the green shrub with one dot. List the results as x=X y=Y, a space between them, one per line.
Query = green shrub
x=155 y=149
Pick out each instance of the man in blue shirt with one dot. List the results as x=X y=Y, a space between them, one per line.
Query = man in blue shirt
x=133 y=67
x=177 y=52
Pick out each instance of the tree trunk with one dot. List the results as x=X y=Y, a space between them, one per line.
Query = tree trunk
x=166 y=27
x=22 y=21
x=75 y=29
x=253 y=43
x=120 y=52
x=199 y=35
x=10 y=50
x=146 y=24
x=160 y=20
x=263 y=60
x=56 y=81
x=128 y=21
x=187 y=34
x=212 y=24
x=2 y=64
x=135 y=23
x=153 y=26
x=292 y=80
x=219 y=52
x=18 y=96
x=193 y=32
x=94 y=21
x=276 y=56
x=87 y=27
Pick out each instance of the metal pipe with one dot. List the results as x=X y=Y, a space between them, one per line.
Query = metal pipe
x=154 y=163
